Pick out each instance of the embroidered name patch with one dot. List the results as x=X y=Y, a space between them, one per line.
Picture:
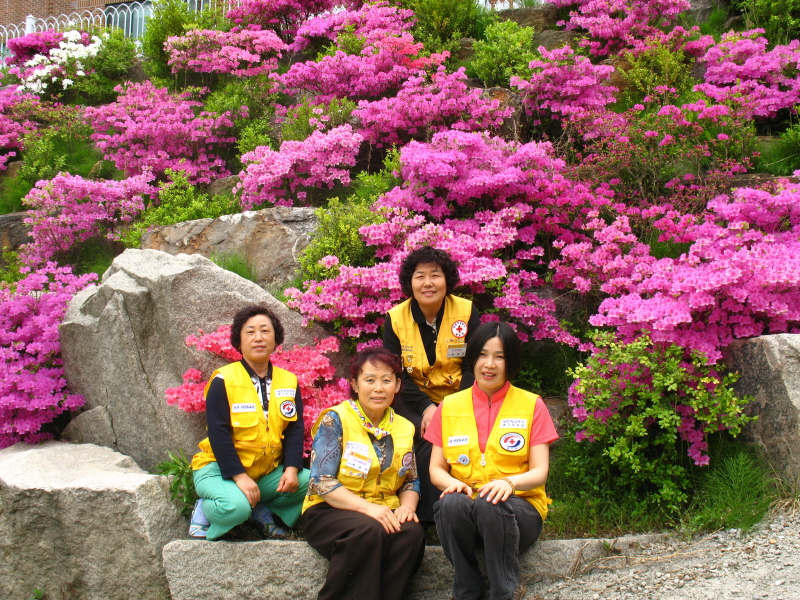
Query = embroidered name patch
x=512 y=442
x=359 y=464
x=513 y=423
x=355 y=448
x=285 y=392
x=239 y=407
x=458 y=440
x=288 y=409
x=459 y=351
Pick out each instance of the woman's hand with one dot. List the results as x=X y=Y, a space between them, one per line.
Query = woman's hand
x=496 y=491
x=383 y=515
x=405 y=514
x=249 y=488
x=289 y=482
x=427 y=415
x=457 y=487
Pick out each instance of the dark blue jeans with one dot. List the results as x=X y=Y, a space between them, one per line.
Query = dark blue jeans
x=504 y=530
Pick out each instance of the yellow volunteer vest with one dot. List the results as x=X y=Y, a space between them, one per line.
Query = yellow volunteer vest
x=506 y=448
x=359 y=468
x=444 y=376
x=258 y=439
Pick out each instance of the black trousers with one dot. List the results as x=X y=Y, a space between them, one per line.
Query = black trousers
x=366 y=563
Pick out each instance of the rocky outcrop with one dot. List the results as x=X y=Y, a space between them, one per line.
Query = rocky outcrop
x=292 y=570
x=13 y=232
x=540 y=17
x=513 y=126
x=551 y=39
x=82 y=522
x=770 y=372
x=123 y=344
x=270 y=239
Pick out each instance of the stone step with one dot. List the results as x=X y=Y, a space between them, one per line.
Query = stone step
x=281 y=570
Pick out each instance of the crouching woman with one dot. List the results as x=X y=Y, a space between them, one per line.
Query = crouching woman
x=490 y=458
x=251 y=464
x=360 y=512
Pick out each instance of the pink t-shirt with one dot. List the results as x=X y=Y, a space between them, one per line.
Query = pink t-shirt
x=542 y=429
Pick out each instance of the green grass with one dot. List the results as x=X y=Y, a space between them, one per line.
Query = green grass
x=735 y=491
x=95 y=256
x=235 y=263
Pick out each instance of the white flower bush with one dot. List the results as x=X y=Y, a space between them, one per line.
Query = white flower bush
x=59 y=68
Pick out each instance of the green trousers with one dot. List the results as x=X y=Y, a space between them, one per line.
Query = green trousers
x=226 y=506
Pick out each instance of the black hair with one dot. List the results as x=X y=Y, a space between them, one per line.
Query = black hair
x=512 y=349
x=247 y=313
x=428 y=255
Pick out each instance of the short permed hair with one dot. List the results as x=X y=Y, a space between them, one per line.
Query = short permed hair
x=374 y=356
x=428 y=255
x=512 y=348
x=247 y=313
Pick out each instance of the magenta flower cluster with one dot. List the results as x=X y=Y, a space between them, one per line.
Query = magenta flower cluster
x=12 y=127
x=149 y=129
x=33 y=391
x=308 y=363
x=243 y=53
x=23 y=49
x=281 y=16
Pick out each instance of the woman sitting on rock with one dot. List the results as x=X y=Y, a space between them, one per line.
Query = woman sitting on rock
x=490 y=458
x=360 y=510
x=251 y=464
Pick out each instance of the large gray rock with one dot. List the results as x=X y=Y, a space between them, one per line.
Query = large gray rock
x=539 y=17
x=123 y=344
x=770 y=371
x=270 y=239
x=82 y=522
x=293 y=570
x=13 y=231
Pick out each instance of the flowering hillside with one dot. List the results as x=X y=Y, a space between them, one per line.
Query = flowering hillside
x=595 y=182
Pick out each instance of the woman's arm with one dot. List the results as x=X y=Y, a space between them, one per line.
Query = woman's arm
x=440 y=475
x=344 y=499
x=500 y=489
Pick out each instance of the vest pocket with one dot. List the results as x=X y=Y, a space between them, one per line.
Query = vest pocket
x=245 y=426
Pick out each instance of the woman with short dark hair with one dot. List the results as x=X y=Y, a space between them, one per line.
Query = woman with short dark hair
x=254 y=414
x=430 y=333
x=490 y=458
x=360 y=512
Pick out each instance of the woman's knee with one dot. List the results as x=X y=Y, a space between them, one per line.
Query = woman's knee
x=229 y=511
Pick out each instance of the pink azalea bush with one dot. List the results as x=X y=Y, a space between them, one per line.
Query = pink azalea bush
x=564 y=84
x=280 y=177
x=33 y=391
x=149 y=129
x=242 y=53
x=308 y=363
x=381 y=68
x=740 y=70
x=281 y=16
x=23 y=49
x=615 y=24
x=370 y=22
x=425 y=105
x=12 y=125
x=68 y=210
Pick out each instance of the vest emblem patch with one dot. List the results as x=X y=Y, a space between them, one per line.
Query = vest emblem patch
x=512 y=441
x=459 y=329
x=288 y=409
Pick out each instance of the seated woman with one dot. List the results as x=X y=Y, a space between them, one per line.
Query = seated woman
x=251 y=463
x=430 y=332
x=490 y=458
x=360 y=510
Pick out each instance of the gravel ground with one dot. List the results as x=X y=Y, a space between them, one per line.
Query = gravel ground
x=764 y=563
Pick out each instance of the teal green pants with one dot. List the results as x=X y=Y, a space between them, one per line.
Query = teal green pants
x=226 y=506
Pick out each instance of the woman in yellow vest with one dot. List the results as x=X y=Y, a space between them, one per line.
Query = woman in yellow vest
x=429 y=332
x=491 y=451
x=251 y=464
x=360 y=512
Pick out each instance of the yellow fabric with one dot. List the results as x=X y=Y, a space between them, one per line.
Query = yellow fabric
x=256 y=437
x=444 y=376
x=460 y=438
x=374 y=486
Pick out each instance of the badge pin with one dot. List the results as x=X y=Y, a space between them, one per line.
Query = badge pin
x=410 y=369
x=463 y=459
x=402 y=471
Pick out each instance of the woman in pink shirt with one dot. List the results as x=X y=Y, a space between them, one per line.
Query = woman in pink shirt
x=490 y=458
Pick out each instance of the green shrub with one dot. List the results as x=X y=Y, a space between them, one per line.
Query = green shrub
x=632 y=396
x=780 y=156
x=182 y=480
x=235 y=263
x=780 y=19
x=178 y=201
x=254 y=134
x=297 y=124
x=715 y=24
x=656 y=66
x=10 y=266
x=337 y=235
x=442 y=23
x=506 y=51
x=110 y=68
